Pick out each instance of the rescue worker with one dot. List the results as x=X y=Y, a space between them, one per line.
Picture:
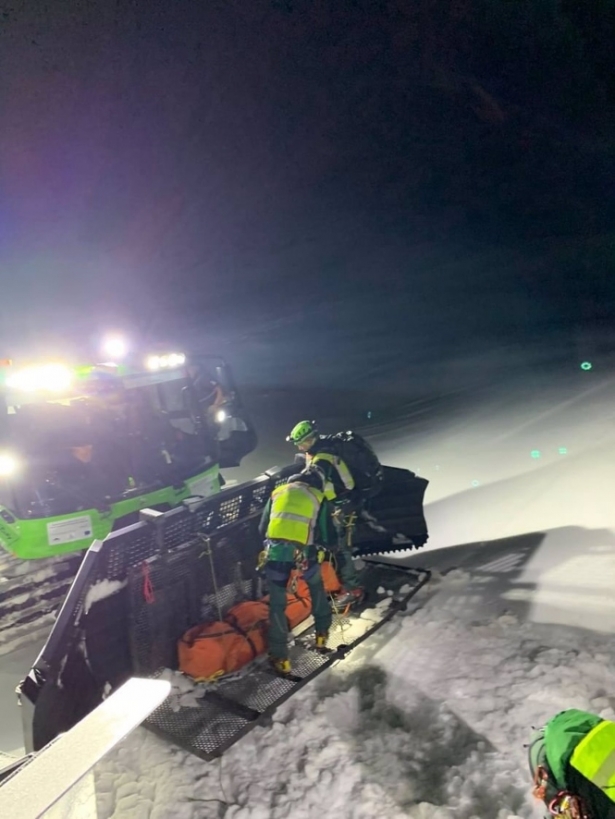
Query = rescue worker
x=572 y=762
x=91 y=464
x=89 y=472
x=345 y=506
x=288 y=524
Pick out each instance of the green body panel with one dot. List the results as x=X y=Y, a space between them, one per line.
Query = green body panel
x=35 y=538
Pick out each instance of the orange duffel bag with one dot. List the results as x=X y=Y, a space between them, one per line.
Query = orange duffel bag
x=208 y=651
x=298 y=605
x=250 y=618
x=330 y=579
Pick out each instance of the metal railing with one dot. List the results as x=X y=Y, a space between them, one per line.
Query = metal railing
x=58 y=781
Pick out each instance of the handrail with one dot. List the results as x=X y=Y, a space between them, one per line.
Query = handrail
x=63 y=764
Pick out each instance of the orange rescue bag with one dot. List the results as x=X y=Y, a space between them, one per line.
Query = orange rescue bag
x=330 y=579
x=298 y=605
x=251 y=619
x=210 y=650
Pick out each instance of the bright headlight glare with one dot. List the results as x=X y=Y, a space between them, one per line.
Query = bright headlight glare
x=165 y=362
x=176 y=359
x=221 y=416
x=45 y=377
x=115 y=347
x=8 y=465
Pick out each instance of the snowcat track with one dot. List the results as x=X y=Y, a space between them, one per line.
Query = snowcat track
x=230 y=710
x=371 y=548
x=31 y=592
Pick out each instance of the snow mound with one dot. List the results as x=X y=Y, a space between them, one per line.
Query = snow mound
x=427 y=720
x=101 y=590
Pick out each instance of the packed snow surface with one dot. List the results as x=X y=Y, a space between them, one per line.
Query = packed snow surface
x=428 y=720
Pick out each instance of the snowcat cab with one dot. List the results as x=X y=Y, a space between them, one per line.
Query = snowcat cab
x=83 y=449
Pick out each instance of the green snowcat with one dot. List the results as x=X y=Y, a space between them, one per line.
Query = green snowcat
x=84 y=448
x=100 y=448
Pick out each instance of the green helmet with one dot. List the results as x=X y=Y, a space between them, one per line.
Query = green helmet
x=302 y=431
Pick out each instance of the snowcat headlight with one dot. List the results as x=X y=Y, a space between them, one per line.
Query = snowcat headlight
x=176 y=359
x=46 y=378
x=8 y=465
x=115 y=348
x=165 y=362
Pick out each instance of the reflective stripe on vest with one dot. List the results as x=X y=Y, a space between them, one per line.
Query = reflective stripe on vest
x=344 y=473
x=594 y=757
x=294 y=513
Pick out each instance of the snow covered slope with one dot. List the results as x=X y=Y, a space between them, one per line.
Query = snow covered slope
x=428 y=719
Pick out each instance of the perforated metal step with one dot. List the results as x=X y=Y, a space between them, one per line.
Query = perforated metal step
x=226 y=711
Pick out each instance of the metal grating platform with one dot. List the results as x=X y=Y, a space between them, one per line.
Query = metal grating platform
x=231 y=708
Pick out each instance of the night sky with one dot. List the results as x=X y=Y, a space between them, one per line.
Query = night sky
x=329 y=192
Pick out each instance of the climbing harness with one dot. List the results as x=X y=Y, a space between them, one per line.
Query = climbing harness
x=568 y=806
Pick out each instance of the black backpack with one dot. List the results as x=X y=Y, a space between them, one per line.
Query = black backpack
x=360 y=459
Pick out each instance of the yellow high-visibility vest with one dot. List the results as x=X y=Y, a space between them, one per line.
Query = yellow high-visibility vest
x=294 y=513
x=594 y=757
x=342 y=470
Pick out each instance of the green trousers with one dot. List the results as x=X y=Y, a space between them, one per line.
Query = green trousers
x=278 y=573
x=342 y=553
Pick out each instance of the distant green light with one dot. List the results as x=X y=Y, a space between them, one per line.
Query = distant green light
x=369 y=414
x=586 y=365
x=475 y=483
x=562 y=450
x=535 y=453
